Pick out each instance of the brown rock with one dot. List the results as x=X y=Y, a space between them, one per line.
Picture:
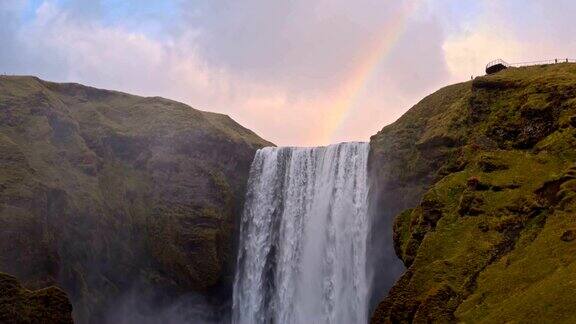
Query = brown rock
x=568 y=236
x=21 y=306
x=472 y=183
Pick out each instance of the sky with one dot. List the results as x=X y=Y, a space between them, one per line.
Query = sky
x=297 y=72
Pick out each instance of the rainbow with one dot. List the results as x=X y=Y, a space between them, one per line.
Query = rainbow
x=361 y=76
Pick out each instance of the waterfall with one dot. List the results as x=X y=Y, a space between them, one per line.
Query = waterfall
x=303 y=235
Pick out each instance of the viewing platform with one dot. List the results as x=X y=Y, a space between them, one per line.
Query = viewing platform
x=499 y=64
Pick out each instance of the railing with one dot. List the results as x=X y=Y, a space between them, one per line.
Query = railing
x=554 y=61
x=522 y=64
x=497 y=62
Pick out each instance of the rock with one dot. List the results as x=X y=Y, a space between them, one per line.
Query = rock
x=21 y=306
x=104 y=191
x=489 y=164
x=513 y=158
x=423 y=220
x=472 y=183
x=470 y=205
x=568 y=236
x=548 y=192
x=437 y=305
x=437 y=141
x=483 y=227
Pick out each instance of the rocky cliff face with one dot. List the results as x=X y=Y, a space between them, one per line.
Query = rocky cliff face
x=482 y=176
x=21 y=306
x=103 y=192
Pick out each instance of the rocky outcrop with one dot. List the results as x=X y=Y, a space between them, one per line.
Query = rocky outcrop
x=482 y=176
x=21 y=306
x=103 y=192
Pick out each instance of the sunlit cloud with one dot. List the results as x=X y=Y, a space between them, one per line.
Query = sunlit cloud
x=297 y=73
x=467 y=54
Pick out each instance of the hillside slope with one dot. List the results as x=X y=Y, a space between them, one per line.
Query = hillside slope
x=485 y=174
x=103 y=192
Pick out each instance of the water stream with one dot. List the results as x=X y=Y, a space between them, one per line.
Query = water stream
x=303 y=237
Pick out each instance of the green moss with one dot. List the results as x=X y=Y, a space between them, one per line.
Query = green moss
x=402 y=229
x=104 y=191
x=533 y=283
x=495 y=246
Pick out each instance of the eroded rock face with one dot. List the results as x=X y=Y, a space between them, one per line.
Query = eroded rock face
x=491 y=210
x=21 y=306
x=103 y=192
x=568 y=236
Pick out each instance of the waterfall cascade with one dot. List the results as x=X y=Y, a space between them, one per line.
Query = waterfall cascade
x=303 y=237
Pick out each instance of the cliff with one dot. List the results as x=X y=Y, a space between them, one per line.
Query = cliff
x=21 y=306
x=482 y=177
x=102 y=192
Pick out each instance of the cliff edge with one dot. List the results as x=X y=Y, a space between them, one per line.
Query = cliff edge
x=482 y=176
x=105 y=193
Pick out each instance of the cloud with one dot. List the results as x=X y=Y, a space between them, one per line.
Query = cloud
x=9 y=10
x=289 y=42
x=516 y=31
x=288 y=70
x=467 y=54
x=414 y=67
x=57 y=45
x=278 y=69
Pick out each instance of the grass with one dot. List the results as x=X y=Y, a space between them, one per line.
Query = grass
x=114 y=190
x=496 y=196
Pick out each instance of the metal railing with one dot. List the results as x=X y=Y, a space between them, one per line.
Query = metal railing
x=522 y=64
x=497 y=62
x=554 y=61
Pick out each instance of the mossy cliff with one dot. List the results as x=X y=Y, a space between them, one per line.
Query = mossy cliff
x=102 y=192
x=21 y=306
x=482 y=176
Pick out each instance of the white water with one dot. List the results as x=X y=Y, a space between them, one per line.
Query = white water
x=303 y=237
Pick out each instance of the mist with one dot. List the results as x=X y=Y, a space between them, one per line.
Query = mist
x=133 y=308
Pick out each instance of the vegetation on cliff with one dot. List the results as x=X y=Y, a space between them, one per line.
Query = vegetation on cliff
x=104 y=192
x=485 y=173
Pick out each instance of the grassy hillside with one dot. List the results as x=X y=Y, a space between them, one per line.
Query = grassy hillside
x=103 y=192
x=485 y=174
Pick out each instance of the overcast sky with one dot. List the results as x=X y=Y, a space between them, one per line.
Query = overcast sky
x=297 y=72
